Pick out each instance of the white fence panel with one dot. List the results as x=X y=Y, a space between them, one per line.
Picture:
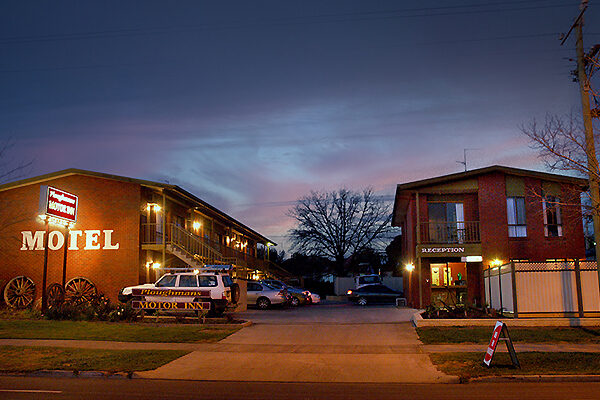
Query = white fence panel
x=494 y=301
x=589 y=289
x=546 y=291
x=394 y=282
x=507 y=294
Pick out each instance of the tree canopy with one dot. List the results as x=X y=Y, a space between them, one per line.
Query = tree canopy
x=340 y=224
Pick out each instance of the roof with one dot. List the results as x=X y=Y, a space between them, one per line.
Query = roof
x=494 y=168
x=403 y=189
x=142 y=182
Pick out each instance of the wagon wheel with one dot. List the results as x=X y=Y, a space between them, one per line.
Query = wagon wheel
x=79 y=290
x=55 y=295
x=19 y=292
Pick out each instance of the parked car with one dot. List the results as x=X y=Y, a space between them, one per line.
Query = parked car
x=299 y=296
x=264 y=296
x=365 y=280
x=315 y=298
x=223 y=293
x=374 y=294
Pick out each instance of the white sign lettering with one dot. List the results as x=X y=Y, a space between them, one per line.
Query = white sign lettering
x=443 y=250
x=91 y=240
x=56 y=240
x=31 y=242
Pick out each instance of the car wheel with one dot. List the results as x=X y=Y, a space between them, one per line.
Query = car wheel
x=361 y=301
x=295 y=302
x=263 y=303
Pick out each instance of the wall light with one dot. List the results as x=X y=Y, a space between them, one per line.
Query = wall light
x=156 y=265
x=495 y=262
x=409 y=267
x=196 y=225
x=153 y=206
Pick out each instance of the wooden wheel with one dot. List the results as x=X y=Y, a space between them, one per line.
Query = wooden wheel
x=55 y=294
x=19 y=292
x=79 y=290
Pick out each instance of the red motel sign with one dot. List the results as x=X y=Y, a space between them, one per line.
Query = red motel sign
x=59 y=204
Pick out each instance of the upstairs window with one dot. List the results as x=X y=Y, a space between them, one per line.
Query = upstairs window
x=515 y=210
x=552 y=217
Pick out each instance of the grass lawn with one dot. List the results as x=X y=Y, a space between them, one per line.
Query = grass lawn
x=27 y=359
x=476 y=334
x=115 y=331
x=469 y=365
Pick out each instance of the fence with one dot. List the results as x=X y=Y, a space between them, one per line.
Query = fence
x=341 y=285
x=568 y=288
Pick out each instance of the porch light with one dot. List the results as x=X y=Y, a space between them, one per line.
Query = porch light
x=196 y=225
x=156 y=265
x=495 y=262
x=409 y=267
x=196 y=271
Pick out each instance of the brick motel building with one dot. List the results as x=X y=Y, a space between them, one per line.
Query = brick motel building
x=127 y=232
x=455 y=226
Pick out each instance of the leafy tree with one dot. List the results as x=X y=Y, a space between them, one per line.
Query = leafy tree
x=340 y=224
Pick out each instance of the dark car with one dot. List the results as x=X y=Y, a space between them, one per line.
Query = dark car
x=374 y=294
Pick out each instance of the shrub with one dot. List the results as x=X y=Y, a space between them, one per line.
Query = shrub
x=99 y=308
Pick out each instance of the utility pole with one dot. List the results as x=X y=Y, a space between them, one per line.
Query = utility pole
x=590 y=148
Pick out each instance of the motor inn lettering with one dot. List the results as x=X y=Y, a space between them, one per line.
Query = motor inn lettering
x=93 y=239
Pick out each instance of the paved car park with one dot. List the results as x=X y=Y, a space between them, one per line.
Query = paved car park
x=318 y=343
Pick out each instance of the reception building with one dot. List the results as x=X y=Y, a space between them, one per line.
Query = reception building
x=457 y=225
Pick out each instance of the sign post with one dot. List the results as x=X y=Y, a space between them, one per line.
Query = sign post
x=500 y=333
x=60 y=208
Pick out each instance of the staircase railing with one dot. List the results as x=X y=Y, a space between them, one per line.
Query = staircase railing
x=193 y=245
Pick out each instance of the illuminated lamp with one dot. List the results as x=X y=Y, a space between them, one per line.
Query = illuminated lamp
x=409 y=267
x=156 y=265
x=196 y=225
x=495 y=262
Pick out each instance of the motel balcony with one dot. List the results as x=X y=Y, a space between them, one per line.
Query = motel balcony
x=450 y=232
x=203 y=249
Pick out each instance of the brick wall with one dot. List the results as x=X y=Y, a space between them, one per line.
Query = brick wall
x=103 y=205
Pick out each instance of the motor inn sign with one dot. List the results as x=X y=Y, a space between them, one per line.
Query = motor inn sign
x=59 y=206
x=58 y=203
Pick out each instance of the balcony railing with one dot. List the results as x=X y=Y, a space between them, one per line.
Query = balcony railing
x=450 y=232
x=202 y=249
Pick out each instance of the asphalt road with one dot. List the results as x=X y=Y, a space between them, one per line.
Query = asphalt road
x=134 y=389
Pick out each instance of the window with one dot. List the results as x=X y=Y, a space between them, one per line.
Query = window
x=446 y=222
x=254 y=287
x=207 y=281
x=167 y=281
x=515 y=209
x=552 y=217
x=188 y=281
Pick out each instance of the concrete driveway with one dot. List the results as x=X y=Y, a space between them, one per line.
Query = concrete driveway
x=318 y=343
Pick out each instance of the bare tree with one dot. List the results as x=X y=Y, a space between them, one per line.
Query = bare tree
x=10 y=170
x=560 y=141
x=340 y=224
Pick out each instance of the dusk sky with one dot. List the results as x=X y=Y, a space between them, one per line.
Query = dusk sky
x=252 y=104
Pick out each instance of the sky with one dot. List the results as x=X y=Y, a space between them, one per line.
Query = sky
x=252 y=104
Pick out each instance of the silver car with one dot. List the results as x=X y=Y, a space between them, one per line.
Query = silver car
x=264 y=296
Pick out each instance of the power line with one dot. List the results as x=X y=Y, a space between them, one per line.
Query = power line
x=299 y=20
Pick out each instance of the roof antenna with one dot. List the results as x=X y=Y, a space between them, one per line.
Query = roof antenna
x=464 y=161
